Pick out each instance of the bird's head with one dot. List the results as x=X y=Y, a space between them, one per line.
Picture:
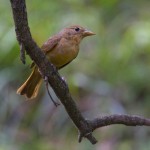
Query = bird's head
x=76 y=32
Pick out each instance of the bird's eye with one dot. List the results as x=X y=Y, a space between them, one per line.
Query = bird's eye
x=77 y=29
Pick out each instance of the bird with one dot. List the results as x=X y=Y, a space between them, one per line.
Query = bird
x=60 y=50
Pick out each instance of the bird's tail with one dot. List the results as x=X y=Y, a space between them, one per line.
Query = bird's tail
x=30 y=87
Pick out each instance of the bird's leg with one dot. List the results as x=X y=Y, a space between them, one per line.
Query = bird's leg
x=46 y=84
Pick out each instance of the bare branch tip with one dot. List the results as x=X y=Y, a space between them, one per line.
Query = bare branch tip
x=89 y=136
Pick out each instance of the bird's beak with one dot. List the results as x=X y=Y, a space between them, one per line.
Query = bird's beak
x=88 y=33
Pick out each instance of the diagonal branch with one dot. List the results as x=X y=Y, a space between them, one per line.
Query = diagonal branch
x=59 y=86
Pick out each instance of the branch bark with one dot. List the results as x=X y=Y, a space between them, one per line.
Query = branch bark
x=85 y=127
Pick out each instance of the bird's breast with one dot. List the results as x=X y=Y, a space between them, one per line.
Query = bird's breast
x=63 y=53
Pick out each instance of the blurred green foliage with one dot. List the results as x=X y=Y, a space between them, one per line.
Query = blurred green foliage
x=110 y=75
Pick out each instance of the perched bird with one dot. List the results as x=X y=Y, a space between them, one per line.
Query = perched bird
x=60 y=50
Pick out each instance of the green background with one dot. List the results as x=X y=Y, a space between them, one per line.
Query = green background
x=111 y=75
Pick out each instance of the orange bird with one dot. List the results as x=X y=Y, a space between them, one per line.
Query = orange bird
x=60 y=50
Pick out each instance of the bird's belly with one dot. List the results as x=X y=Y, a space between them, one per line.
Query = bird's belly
x=60 y=57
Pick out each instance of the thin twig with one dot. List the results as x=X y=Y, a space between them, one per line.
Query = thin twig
x=48 y=91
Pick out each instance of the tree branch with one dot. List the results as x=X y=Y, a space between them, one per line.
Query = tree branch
x=59 y=86
x=119 y=119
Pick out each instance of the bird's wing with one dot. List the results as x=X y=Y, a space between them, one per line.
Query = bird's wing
x=49 y=45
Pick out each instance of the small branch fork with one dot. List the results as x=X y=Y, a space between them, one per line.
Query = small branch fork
x=85 y=127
